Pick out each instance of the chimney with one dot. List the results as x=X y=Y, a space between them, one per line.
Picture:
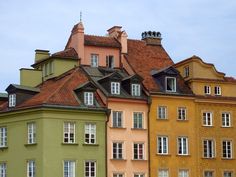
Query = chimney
x=41 y=54
x=114 y=31
x=152 y=37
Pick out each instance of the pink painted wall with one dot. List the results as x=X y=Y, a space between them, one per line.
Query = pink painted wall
x=128 y=166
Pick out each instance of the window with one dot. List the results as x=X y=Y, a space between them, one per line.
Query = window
x=90 y=133
x=31 y=133
x=88 y=98
x=117 y=119
x=208 y=174
x=3 y=170
x=3 y=137
x=94 y=60
x=139 y=175
x=217 y=90
x=186 y=71
x=181 y=113
x=31 y=168
x=115 y=88
x=12 y=100
x=227 y=149
x=118 y=175
x=226 y=122
x=90 y=169
x=69 y=132
x=183 y=173
x=163 y=173
x=208 y=149
x=117 y=150
x=135 y=89
x=138 y=120
x=207 y=90
x=69 y=168
x=138 y=151
x=162 y=112
x=183 y=146
x=207 y=119
x=162 y=145
x=110 y=61
x=170 y=84
x=228 y=174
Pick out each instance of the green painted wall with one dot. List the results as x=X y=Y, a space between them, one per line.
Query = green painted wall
x=30 y=77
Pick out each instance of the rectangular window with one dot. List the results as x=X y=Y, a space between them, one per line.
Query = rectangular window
x=117 y=119
x=94 y=60
x=90 y=169
x=3 y=170
x=162 y=110
x=181 y=113
x=139 y=175
x=228 y=174
x=69 y=168
x=138 y=120
x=31 y=133
x=163 y=173
x=117 y=150
x=208 y=149
x=162 y=145
x=186 y=71
x=118 y=175
x=227 y=149
x=135 y=89
x=138 y=151
x=217 y=90
x=115 y=88
x=90 y=133
x=88 y=98
x=207 y=119
x=12 y=100
x=182 y=145
x=226 y=121
x=69 y=132
x=110 y=61
x=3 y=137
x=31 y=168
x=208 y=174
x=207 y=90
x=183 y=173
x=170 y=84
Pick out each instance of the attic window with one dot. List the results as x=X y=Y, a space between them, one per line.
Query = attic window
x=170 y=84
x=110 y=61
x=186 y=71
x=217 y=90
x=12 y=100
x=94 y=60
x=88 y=98
x=207 y=90
x=115 y=88
x=135 y=89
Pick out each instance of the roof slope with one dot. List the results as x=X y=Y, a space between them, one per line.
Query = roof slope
x=102 y=41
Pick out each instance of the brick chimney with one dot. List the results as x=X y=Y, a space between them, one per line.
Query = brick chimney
x=152 y=37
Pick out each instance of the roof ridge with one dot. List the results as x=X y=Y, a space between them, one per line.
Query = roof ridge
x=98 y=35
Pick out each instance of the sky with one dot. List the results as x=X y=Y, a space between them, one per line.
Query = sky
x=188 y=27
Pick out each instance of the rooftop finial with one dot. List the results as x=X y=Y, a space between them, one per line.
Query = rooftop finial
x=80 y=16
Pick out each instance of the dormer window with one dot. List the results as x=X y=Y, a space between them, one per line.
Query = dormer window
x=115 y=88
x=135 y=89
x=110 y=61
x=94 y=60
x=12 y=100
x=217 y=90
x=186 y=71
x=88 y=98
x=207 y=90
x=170 y=84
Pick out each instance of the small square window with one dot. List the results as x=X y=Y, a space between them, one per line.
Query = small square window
x=88 y=98
x=170 y=84
x=217 y=90
x=115 y=88
x=12 y=100
x=207 y=90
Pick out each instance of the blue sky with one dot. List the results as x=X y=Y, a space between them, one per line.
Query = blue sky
x=195 y=27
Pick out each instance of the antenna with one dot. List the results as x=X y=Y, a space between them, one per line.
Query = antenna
x=80 y=16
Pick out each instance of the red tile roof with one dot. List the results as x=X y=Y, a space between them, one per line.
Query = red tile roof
x=67 y=53
x=102 y=41
x=144 y=58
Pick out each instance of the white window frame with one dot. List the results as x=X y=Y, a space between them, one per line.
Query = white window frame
x=3 y=137
x=90 y=165
x=94 y=60
x=162 y=145
x=182 y=113
x=162 y=112
x=228 y=174
x=226 y=119
x=183 y=173
x=207 y=119
x=90 y=133
x=182 y=145
x=173 y=84
x=69 y=132
x=209 y=148
x=208 y=173
x=186 y=71
x=117 y=154
x=31 y=168
x=138 y=120
x=227 y=149
x=31 y=128
x=69 y=168
x=118 y=174
x=137 y=147
x=88 y=98
x=12 y=100
x=163 y=173
x=3 y=169
x=117 y=119
x=115 y=88
x=139 y=174
x=135 y=90
x=207 y=89
x=217 y=90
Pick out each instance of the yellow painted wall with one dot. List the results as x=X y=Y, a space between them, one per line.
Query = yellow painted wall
x=30 y=77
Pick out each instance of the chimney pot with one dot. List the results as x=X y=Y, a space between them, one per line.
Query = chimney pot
x=152 y=37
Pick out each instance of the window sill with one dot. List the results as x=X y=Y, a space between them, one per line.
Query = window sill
x=32 y=144
x=162 y=119
x=226 y=127
x=183 y=155
x=139 y=160
x=182 y=120
x=159 y=154
x=70 y=144
x=143 y=129
x=118 y=128
x=87 y=144
x=209 y=158
x=208 y=126
x=118 y=159
x=3 y=148
x=223 y=158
